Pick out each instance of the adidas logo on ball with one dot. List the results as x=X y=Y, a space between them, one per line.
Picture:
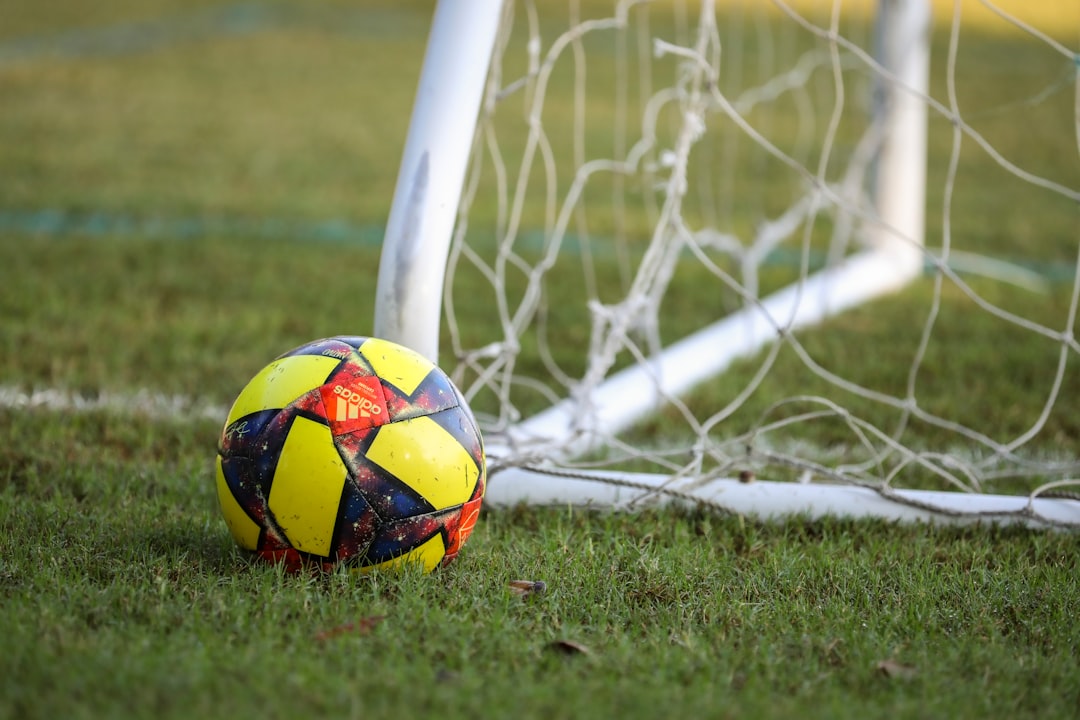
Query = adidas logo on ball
x=351 y=405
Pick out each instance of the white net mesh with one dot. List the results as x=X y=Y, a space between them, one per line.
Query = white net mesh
x=719 y=182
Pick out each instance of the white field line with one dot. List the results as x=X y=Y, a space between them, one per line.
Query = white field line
x=766 y=500
x=140 y=403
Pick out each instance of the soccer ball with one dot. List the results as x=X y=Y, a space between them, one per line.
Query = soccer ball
x=351 y=450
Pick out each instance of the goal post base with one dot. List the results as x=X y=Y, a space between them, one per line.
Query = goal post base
x=774 y=501
x=630 y=395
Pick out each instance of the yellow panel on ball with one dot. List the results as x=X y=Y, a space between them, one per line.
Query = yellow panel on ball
x=399 y=366
x=307 y=486
x=428 y=459
x=243 y=528
x=428 y=554
x=281 y=382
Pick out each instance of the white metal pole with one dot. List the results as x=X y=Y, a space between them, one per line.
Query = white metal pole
x=631 y=394
x=408 y=301
x=904 y=34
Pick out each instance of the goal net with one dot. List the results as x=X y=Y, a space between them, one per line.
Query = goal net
x=786 y=257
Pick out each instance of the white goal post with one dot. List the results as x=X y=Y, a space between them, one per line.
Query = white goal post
x=875 y=203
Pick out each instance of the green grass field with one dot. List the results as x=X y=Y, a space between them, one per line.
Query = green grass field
x=181 y=186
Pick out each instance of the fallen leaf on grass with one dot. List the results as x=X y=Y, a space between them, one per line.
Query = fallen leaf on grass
x=361 y=627
x=446 y=676
x=569 y=647
x=527 y=588
x=893 y=669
